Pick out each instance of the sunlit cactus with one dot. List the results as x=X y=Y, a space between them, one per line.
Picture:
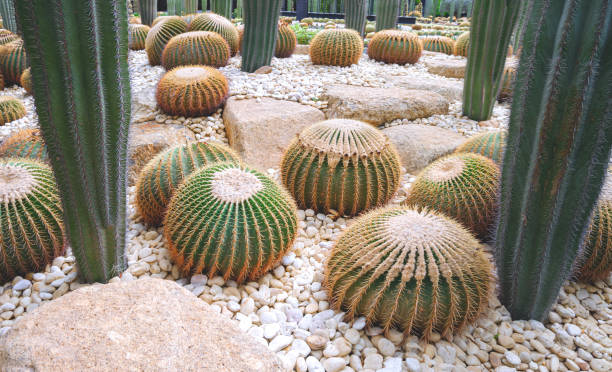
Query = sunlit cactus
x=137 y=36
x=440 y=44
x=13 y=61
x=219 y=24
x=11 y=109
x=160 y=34
x=462 y=45
x=196 y=48
x=26 y=143
x=491 y=145
x=285 y=42
x=336 y=47
x=394 y=46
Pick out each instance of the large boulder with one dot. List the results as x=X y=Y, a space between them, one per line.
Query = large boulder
x=449 y=89
x=261 y=129
x=450 y=68
x=419 y=145
x=141 y=325
x=382 y=105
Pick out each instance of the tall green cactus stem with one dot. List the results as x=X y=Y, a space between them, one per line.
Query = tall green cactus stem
x=521 y=26
x=260 y=31
x=176 y=7
x=222 y=7
x=191 y=6
x=557 y=150
x=7 y=11
x=487 y=55
x=148 y=11
x=83 y=105
x=386 y=14
x=355 y=15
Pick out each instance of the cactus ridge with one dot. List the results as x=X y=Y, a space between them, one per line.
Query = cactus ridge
x=11 y=109
x=345 y=165
x=463 y=186
x=137 y=36
x=31 y=227
x=394 y=46
x=286 y=41
x=13 y=61
x=192 y=91
x=462 y=45
x=230 y=220
x=440 y=44
x=414 y=270
x=336 y=47
x=7 y=36
x=26 y=143
x=490 y=145
x=219 y=24
x=164 y=173
x=196 y=48
x=160 y=34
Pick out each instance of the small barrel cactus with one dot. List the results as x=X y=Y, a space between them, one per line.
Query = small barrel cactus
x=505 y=92
x=415 y=270
x=219 y=24
x=26 y=143
x=192 y=91
x=160 y=34
x=196 y=48
x=339 y=47
x=31 y=227
x=394 y=46
x=240 y=30
x=137 y=36
x=490 y=144
x=26 y=80
x=11 y=109
x=462 y=44
x=440 y=44
x=164 y=173
x=13 y=61
x=463 y=186
x=230 y=220
x=7 y=36
x=286 y=41
x=345 y=165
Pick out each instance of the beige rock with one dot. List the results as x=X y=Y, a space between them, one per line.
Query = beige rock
x=302 y=49
x=382 y=105
x=264 y=70
x=141 y=325
x=451 y=68
x=261 y=129
x=419 y=145
x=450 y=89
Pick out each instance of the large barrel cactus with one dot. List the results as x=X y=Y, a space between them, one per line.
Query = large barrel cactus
x=462 y=45
x=148 y=11
x=394 y=46
x=160 y=34
x=336 y=47
x=440 y=44
x=216 y=23
x=13 y=61
x=196 y=48
x=386 y=14
x=417 y=271
x=137 y=36
x=11 y=109
x=491 y=145
x=260 y=33
x=355 y=15
x=285 y=42
x=230 y=220
x=26 y=143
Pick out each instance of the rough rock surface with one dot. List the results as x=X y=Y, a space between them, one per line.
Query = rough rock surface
x=261 y=129
x=419 y=145
x=452 y=68
x=382 y=105
x=141 y=325
x=302 y=49
x=450 y=89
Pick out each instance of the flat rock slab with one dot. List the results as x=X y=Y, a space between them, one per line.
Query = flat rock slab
x=141 y=325
x=261 y=129
x=451 y=68
x=382 y=105
x=449 y=89
x=419 y=145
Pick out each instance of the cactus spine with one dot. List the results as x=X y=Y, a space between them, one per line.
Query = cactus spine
x=196 y=48
x=355 y=15
x=216 y=23
x=148 y=11
x=386 y=14
x=487 y=55
x=26 y=143
x=222 y=7
x=558 y=149
x=260 y=32
x=490 y=144
x=83 y=106
x=7 y=11
x=394 y=46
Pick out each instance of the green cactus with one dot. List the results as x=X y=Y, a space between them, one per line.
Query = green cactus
x=137 y=36
x=286 y=41
x=7 y=11
x=11 y=109
x=336 y=47
x=160 y=34
x=216 y=23
x=230 y=220
x=13 y=61
x=26 y=143
x=440 y=44
x=222 y=7
x=260 y=33
x=191 y=6
x=164 y=173
x=345 y=165
x=462 y=45
x=176 y=7
x=355 y=15
x=386 y=14
x=196 y=48
x=394 y=46
x=417 y=271
x=490 y=145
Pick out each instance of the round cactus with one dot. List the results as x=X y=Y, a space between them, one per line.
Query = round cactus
x=137 y=36
x=240 y=30
x=507 y=84
x=440 y=44
x=286 y=41
x=192 y=91
x=26 y=143
x=165 y=172
x=462 y=186
x=417 y=271
x=196 y=48
x=490 y=144
x=230 y=220
x=161 y=19
x=345 y=165
x=160 y=34
x=11 y=109
x=340 y=47
x=7 y=37
x=26 y=80
x=462 y=44
x=31 y=228
x=394 y=46
x=13 y=61
x=219 y=24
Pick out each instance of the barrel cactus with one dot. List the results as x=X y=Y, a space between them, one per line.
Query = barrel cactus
x=507 y=84
x=394 y=46
x=196 y=48
x=230 y=220
x=462 y=186
x=137 y=35
x=26 y=80
x=31 y=227
x=215 y=23
x=192 y=91
x=26 y=143
x=13 y=61
x=1 y=81
x=165 y=172
x=338 y=47
x=345 y=165
x=240 y=30
x=160 y=34
x=462 y=44
x=7 y=36
x=286 y=41
x=415 y=270
x=440 y=44
x=11 y=109
x=491 y=145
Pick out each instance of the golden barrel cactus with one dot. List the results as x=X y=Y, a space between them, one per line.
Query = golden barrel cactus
x=491 y=145
x=440 y=44
x=137 y=36
x=11 y=109
x=160 y=34
x=13 y=61
x=462 y=45
x=285 y=42
x=26 y=143
x=394 y=46
x=196 y=48
x=339 y=47
x=219 y=24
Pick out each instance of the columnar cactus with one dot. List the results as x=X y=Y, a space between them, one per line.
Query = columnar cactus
x=196 y=48
x=386 y=14
x=176 y=7
x=260 y=32
x=440 y=44
x=13 y=61
x=192 y=91
x=462 y=45
x=11 y=109
x=394 y=46
x=222 y=7
x=7 y=11
x=137 y=36
x=557 y=150
x=31 y=227
x=355 y=15
x=462 y=186
x=83 y=106
x=491 y=145
x=26 y=80
x=337 y=47
x=26 y=143
x=160 y=34
x=216 y=23
x=285 y=42
x=230 y=220
x=417 y=271
x=191 y=6
x=164 y=173
x=345 y=165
